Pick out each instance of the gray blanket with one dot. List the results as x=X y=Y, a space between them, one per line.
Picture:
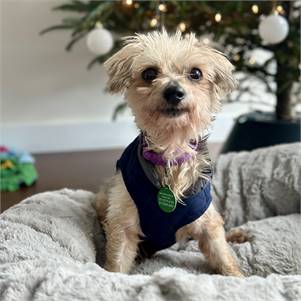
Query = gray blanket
x=49 y=243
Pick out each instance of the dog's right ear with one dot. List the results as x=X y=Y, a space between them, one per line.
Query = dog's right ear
x=119 y=67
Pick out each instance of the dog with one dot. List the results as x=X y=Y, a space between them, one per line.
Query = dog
x=160 y=193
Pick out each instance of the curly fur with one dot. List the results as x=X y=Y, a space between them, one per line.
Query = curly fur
x=173 y=56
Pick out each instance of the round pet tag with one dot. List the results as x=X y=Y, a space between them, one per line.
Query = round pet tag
x=166 y=200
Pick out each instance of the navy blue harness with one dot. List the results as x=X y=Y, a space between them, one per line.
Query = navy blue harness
x=159 y=228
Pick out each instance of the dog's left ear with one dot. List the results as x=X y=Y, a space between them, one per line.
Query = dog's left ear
x=119 y=66
x=221 y=72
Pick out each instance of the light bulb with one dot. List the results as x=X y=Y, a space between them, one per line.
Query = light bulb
x=128 y=2
x=218 y=17
x=98 y=25
x=162 y=8
x=255 y=9
x=279 y=9
x=236 y=57
x=182 y=26
x=252 y=61
x=206 y=41
x=153 y=22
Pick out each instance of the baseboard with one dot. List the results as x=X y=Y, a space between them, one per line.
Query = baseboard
x=45 y=138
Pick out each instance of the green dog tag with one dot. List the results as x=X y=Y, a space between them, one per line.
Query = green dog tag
x=166 y=200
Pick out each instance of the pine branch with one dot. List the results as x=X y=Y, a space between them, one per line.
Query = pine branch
x=119 y=109
x=236 y=34
x=56 y=27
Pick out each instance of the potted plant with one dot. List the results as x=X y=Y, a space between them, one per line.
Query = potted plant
x=231 y=26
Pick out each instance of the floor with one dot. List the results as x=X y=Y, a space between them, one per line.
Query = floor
x=76 y=170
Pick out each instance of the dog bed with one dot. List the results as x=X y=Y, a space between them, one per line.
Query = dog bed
x=52 y=248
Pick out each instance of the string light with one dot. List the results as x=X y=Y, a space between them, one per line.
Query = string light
x=182 y=26
x=153 y=22
x=128 y=2
x=162 y=8
x=252 y=61
x=279 y=9
x=98 y=25
x=236 y=57
x=218 y=17
x=206 y=41
x=255 y=9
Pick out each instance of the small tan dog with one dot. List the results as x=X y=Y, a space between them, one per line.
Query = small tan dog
x=161 y=191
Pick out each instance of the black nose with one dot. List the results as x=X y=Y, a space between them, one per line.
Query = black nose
x=173 y=94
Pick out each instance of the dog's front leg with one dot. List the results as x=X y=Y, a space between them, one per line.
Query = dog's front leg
x=121 y=248
x=213 y=244
x=119 y=217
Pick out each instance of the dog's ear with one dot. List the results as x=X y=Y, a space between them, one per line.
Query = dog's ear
x=224 y=81
x=119 y=67
x=220 y=71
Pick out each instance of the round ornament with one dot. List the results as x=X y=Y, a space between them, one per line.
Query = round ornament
x=166 y=200
x=273 y=29
x=100 y=41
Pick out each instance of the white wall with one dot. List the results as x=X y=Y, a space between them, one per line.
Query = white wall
x=47 y=93
x=41 y=82
x=49 y=101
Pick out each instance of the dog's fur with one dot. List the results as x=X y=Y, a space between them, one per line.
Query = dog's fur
x=174 y=57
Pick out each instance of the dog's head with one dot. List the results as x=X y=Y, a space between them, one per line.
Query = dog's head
x=173 y=84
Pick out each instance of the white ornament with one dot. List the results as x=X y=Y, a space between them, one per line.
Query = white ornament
x=273 y=29
x=100 y=41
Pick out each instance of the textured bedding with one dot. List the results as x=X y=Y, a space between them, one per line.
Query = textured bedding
x=52 y=248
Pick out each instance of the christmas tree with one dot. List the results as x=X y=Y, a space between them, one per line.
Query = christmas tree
x=231 y=26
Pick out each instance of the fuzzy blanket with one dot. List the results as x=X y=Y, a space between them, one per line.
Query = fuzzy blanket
x=50 y=243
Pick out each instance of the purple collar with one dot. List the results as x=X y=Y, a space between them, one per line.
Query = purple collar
x=157 y=158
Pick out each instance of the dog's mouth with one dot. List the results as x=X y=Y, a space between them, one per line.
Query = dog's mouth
x=174 y=112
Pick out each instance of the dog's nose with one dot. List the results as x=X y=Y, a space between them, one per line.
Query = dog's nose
x=173 y=94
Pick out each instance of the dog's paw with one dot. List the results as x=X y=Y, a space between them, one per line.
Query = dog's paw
x=238 y=274
x=235 y=273
x=237 y=235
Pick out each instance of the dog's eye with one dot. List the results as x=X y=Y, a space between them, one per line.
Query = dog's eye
x=195 y=74
x=149 y=74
